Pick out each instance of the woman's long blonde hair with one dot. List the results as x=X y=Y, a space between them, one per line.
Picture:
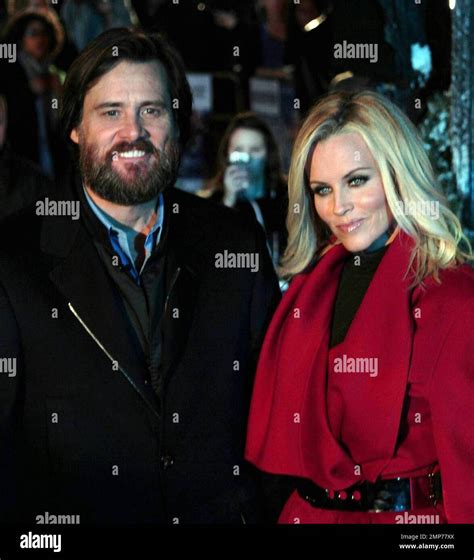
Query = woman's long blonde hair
x=407 y=176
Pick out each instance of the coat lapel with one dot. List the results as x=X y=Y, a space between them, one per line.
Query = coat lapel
x=94 y=301
x=97 y=306
x=365 y=407
x=182 y=280
x=288 y=426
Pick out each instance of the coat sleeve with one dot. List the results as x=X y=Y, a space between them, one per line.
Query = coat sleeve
x=10 y=376
x=452 y=402
x=265 y=298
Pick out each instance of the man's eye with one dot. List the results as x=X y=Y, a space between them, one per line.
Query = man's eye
x=322 y=191
x=111 y=113
x=357 y=181
x=151 y=112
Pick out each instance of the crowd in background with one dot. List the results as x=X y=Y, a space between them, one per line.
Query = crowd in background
x=272 y=39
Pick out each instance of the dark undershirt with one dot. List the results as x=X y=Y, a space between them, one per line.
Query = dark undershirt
x=356 y=276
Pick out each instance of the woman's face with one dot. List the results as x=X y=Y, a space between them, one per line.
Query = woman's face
x=348 y=191
x=36 y=40
x=249 y=141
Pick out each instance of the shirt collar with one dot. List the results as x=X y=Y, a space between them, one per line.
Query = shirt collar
x=121 y=237
x=112 y=224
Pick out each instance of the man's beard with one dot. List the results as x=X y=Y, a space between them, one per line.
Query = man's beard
x=147 y=181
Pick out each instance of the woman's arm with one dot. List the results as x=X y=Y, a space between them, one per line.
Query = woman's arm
x=452 y=408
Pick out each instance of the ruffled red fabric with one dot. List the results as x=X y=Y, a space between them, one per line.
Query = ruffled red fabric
x=289 y=429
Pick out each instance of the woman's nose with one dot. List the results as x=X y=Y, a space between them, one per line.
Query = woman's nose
x=342 y=202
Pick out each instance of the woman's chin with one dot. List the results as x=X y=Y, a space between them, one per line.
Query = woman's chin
x=356 y=244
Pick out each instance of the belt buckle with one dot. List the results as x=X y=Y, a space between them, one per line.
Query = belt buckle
x=391 y=495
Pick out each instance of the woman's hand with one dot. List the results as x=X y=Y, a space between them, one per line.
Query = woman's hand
x=47 y=83
x=39 y=85
x=236 y=179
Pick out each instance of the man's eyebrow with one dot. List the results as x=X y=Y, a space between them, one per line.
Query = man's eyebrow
x=108 y=104
x=157 y=102
x=115 y=104
x=314 y=181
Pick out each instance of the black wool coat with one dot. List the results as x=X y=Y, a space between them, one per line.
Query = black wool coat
x=82 y=431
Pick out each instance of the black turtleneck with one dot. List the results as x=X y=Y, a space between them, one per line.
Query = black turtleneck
x=356 y=276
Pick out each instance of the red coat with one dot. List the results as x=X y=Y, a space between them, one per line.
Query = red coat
x=412 y=418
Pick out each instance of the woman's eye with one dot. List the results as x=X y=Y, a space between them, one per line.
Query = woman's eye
x=357 y=181
x=321 y=191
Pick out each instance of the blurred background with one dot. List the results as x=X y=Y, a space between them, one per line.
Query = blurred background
x=255 y=67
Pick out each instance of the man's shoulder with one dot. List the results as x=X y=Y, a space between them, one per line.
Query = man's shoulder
x=214 y=219
x=21 y=185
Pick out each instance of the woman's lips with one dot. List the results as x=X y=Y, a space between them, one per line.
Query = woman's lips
x=351 y=226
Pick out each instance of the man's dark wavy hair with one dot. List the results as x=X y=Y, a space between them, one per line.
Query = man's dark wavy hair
x=108 y=50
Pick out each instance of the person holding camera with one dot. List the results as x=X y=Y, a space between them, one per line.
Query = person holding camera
x=249 y=177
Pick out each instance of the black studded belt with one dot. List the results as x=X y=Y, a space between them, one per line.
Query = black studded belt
x=397 y=494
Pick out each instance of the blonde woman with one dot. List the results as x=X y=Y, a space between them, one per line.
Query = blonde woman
x=365 y=384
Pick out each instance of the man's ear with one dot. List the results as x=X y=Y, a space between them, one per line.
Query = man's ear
x=74 y=136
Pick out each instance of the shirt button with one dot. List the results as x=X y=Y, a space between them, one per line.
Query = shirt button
x=167 y=461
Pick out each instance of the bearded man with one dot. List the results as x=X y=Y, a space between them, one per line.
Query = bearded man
x=127 y=350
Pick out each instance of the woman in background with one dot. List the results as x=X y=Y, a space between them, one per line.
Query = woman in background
x=365 y=382
x=33 y=88
x=249 y=177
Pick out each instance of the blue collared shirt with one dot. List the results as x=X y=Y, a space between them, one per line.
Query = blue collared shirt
x=122 y=238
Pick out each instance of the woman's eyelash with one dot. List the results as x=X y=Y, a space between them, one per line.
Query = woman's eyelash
x=360 y=178
x=319 y=190
x=357 y=181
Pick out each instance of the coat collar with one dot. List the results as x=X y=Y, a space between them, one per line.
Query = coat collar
x=59 y=233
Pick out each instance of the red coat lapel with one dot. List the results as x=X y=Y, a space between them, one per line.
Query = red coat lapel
x=294 y=347
x=365 y=407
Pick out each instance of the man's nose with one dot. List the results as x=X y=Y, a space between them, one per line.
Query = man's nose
x=131 y=128
x=342 y=202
